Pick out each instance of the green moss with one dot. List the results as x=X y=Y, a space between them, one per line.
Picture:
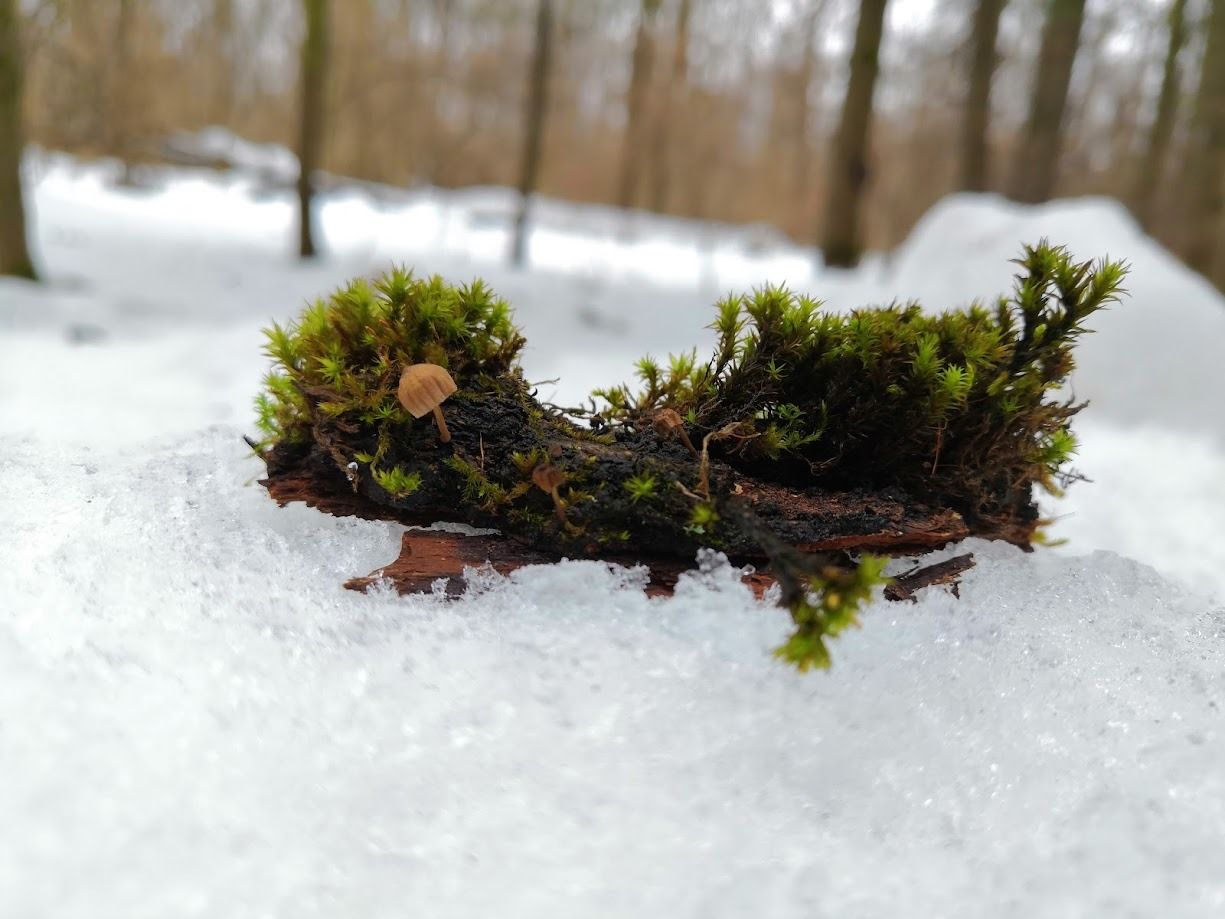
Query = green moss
x=342 y=358
x=396 y=482
x=830 y=605
x=961 y=407
x=478 y=489
x=702 y=519
x=640 y=487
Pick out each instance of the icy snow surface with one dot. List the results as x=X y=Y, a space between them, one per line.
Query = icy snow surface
x=196 y=720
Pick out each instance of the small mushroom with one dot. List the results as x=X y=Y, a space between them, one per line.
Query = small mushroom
x=668 y=423
x=548 y=478
x=423 y=389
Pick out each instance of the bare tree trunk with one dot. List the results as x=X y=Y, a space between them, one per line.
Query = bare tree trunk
x=802 y=156
x=1204 y=173
x=640 y=78
x=661 y=165
x=534 y=124
x=223 y=36
x=848 y=167
x=437 y=147
x=121 y=140
x=1038 y=153
x=14 y=254
x=976 y=123
x=1162 y=129
x=310 y=138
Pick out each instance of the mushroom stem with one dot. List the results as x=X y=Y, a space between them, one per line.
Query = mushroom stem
x=443 y=434
x=668 y=423
x=557 y=505
x=687 y=442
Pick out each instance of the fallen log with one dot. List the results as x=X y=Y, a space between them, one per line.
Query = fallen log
x=427 y=556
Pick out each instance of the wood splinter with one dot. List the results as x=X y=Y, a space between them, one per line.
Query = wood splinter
x=949 y=571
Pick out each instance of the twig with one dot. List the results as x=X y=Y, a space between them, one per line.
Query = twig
x=946 y=572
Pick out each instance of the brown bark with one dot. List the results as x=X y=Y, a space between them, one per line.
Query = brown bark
x=1203 y=192
x=310 y=137
x=635 y=103
x=801 y=153
x=534 y=126
x=661 y=152
x=905 y=586
x=976 y=122
x=848 y=175
x=223 y=34
x=122 y=142
x=1037 y=157
x=848 y=522
x=813 y=520
x=14 y=253
x=429 y=556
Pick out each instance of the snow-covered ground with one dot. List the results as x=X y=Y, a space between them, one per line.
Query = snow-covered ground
x=196 y=720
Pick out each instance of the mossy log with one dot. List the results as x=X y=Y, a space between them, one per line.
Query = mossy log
x=481 y=479
x=476 y=480
x=835 y=522
x=826 y=441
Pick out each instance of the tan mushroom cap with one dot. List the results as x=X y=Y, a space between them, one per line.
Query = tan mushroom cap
x=424 y=387
x=548 y=477
x=667 y=421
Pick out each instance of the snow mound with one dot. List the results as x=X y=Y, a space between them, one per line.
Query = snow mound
x=1153 y=494
x=195 y=719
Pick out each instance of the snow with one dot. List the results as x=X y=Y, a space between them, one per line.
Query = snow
x=196 y=720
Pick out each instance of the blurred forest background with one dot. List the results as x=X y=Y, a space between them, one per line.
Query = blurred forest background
x=838 y=121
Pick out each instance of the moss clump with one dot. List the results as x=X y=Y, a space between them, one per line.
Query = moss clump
x=809 y=423
x=396 y=482
x=342 y=359
x=960 y=407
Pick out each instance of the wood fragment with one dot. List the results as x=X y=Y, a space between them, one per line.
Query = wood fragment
x=946 y=572
x=427 y=556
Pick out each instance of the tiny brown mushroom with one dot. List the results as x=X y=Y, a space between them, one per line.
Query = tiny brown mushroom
x=548 y=478
x=668 y=423
x=423 y=389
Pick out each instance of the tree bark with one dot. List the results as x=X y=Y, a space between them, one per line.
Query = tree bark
x=976 y=123
x=848 y=175
x=1204 y=173
x=310 y=138
x=1037 y=155
x=536 y=116
x=223 y=34
x=801 y=152
x=14 y=253
x=765 y=522
x=121 y=140
x=640 y=78
x=661 y=165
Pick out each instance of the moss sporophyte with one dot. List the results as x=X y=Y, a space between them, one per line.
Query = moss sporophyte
x=806 y=436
